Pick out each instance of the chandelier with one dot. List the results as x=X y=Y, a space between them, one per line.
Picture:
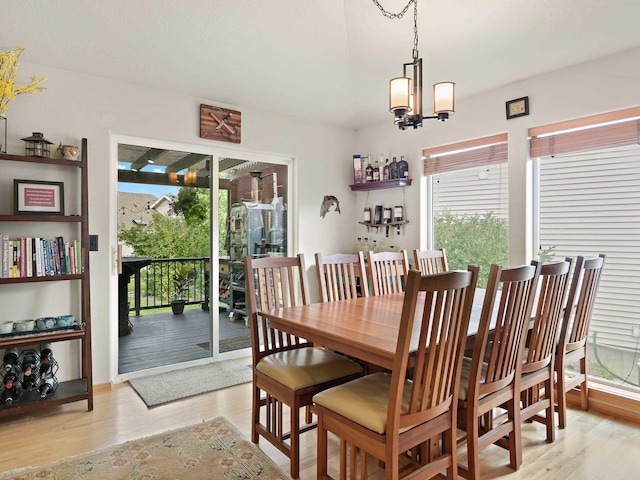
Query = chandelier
x=405 y=92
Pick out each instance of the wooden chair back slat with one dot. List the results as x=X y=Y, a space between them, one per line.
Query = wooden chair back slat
x=541 y=345
x=388 y=272
x=509 y=326
x=339 y=275
x=430 y=261
x=273 y=282
x=580 y=302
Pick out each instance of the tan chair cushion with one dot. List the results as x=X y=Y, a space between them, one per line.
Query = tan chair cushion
x=364 y=400
x=464 y=377
x=304 y=367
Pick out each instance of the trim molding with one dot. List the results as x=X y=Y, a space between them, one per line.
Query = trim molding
x=609 y=403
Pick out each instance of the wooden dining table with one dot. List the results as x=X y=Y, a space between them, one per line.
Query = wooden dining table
x=365 y=328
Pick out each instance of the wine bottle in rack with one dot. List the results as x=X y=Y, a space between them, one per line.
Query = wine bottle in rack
x=29 y=367
x=47 y=387
x=11 y=389
x=10 y=358
x=46 y=353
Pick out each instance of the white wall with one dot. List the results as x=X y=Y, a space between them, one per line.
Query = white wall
x=76 y=106
x=601 y=86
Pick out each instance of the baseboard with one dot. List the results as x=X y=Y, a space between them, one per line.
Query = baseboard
x=603 y=400
x=103 y=387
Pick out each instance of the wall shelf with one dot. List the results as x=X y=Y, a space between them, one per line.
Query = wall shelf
x=397 y=182
x=382 y=225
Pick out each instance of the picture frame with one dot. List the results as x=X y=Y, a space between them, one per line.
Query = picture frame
x=518 y=107
x=35 y=197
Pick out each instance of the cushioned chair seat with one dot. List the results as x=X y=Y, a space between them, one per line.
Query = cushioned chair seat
x=464 y=377
x=305 y=367
x=364 y=400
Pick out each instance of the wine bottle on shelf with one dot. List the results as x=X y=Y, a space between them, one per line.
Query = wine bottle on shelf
x=10 y=358
x=385 y=171
x=366 y=246
x=376 y=172
x=403 y=168
x=368 y=172
x=377 y=216
x=367 y=217
x=397 y=216
x=386 y=217
x=393 y=169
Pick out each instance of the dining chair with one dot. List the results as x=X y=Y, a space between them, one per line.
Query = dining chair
x=572 y=342
x=288 y=369
x=490 y=379
x=540 y=347
x=341 y=276
x=388 y=414
x=430 y=261
x=387 y=271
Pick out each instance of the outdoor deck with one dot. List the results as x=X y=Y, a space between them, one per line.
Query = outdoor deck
x=164 y=339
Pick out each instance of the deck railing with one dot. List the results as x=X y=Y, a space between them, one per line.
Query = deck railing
x=155 y=284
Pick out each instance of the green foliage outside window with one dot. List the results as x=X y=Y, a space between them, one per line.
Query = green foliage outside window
x=478 y=239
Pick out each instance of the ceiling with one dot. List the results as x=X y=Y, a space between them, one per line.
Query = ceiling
x=328 y=60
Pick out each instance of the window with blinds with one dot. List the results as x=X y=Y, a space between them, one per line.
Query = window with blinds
x=469 y=202
x=588 y=202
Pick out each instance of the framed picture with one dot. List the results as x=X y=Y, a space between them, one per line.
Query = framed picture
x=37 y=197
x=517 y=108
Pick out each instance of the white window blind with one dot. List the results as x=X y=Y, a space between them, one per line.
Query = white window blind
x=589 y=203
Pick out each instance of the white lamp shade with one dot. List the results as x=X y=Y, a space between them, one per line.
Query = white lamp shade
x=443 y=97
x=400 y=90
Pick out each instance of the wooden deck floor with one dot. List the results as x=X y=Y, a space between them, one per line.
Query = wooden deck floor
x=165 y=339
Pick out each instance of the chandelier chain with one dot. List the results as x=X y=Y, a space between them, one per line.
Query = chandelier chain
x=394 y=15
x=400 y=15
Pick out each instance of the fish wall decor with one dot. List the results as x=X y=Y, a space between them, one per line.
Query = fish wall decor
x=328 y=202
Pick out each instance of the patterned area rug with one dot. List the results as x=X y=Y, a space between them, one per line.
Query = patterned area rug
x=214 y=450
x=167 y=387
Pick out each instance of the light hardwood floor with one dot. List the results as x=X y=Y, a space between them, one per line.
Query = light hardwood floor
x=592 y=447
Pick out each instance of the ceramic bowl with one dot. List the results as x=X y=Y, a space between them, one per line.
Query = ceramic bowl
x=25 y=325
x=45 y=322
x=64 y=320
x=6 y=326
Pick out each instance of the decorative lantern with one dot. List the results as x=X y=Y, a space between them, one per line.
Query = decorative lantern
x=37 y=145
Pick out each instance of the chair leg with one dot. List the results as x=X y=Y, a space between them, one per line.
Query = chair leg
x=255 y=415
x=294 y=441
x=473 y=433
x=584 y=389
x=549 y=419
x=562 y=399
x=321 y=461
x=515 y=437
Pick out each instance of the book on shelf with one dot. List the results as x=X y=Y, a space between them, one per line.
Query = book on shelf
x=5 y=255
x=38 y=257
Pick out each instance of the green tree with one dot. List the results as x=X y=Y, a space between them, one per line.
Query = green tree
x=473 y=239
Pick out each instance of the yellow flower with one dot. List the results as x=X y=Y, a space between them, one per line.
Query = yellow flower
x=8 y=87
